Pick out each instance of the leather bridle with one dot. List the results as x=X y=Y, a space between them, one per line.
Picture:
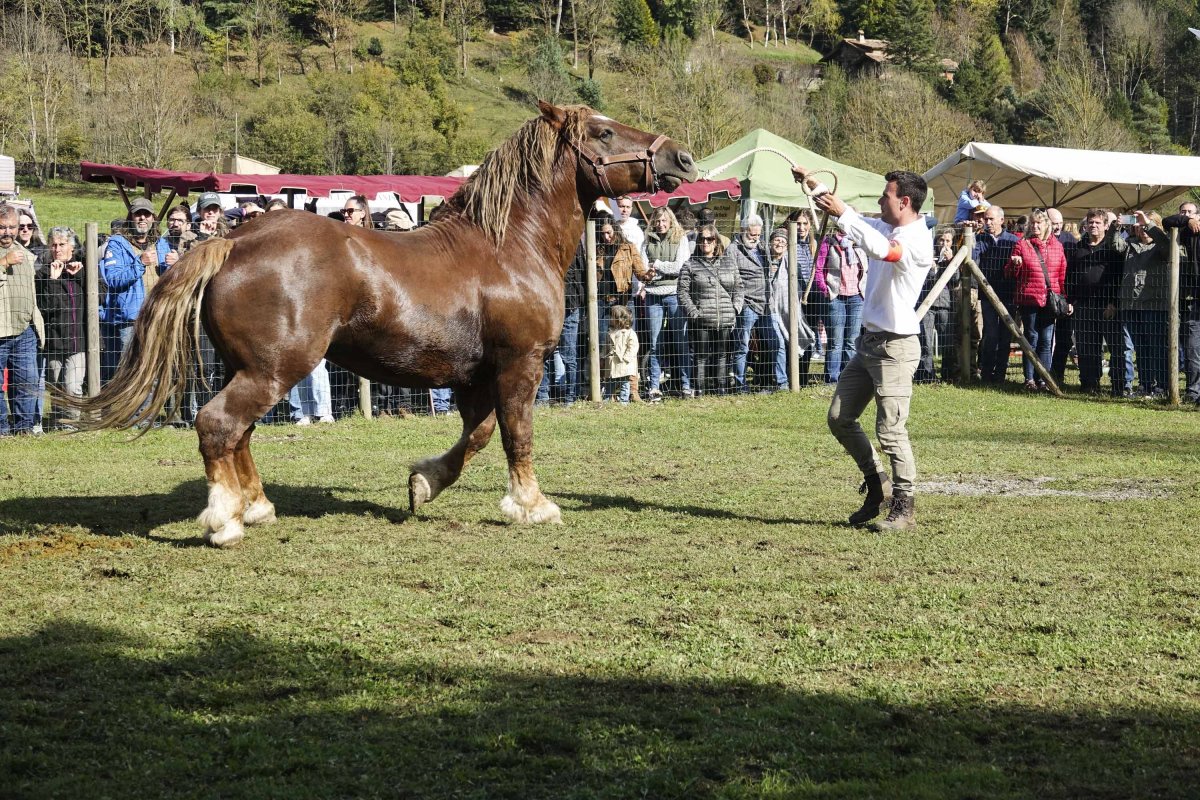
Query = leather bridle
x=600 y=163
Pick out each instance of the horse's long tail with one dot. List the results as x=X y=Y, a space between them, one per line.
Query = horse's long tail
x=158 y=361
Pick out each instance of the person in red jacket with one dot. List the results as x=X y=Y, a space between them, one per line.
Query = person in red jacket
x=1025 y=267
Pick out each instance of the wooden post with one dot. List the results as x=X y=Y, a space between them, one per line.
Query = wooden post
x=986 y=290
x=364 y=397
x=942 y=280
x=91 y=281
x=1173 y=321
x=793 y=347
x=966 y=324
x=593 y=320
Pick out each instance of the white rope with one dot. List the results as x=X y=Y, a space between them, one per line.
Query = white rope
x=810 y=193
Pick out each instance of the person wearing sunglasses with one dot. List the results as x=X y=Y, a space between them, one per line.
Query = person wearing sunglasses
x=710 y=294
x=29 y=237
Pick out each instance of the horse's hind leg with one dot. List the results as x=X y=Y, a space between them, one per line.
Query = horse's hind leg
x=222 y=425
x=431 y=475
x=524 y=501
x=259 y=510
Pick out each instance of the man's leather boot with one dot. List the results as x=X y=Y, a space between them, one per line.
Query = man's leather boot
x=902 y=516
x=877 y=488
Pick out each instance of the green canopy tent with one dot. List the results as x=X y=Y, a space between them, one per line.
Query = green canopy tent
x=767 y=178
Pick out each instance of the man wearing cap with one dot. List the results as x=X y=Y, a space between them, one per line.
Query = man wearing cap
x=212 y=223
x=251 y=210
x=20 y=327
x=130 y=267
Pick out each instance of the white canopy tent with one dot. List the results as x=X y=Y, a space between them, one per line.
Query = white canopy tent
x=1020 y=178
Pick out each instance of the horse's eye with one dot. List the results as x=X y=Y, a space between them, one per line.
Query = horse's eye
x=606 y=135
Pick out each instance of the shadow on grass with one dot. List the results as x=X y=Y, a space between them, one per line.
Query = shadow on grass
x=95 y=712
x=589 y=502
x=140 y=515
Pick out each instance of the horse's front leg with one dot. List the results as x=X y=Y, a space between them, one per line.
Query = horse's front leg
x=515 y=391
x=431 y=475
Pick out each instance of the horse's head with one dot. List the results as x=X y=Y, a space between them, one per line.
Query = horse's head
x=617 y=159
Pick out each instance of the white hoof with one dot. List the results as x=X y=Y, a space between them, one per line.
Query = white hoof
x=230 y=534
x=419 y=492
x=260 y=512
x=543 y=511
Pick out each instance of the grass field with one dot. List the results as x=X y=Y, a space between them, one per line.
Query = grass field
x=702 y=625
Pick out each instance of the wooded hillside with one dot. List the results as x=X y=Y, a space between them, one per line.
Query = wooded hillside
x=421 y=86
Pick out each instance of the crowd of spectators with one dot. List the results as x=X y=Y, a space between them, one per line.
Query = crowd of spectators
x=683 y=309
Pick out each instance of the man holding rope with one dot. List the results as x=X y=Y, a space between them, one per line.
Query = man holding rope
x=901 y=254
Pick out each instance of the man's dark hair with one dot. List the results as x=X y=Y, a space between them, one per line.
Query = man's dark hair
x=685 y=218
x=910 y=185
x=706 y=215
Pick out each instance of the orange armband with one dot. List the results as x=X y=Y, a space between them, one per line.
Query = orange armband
x=895 y=251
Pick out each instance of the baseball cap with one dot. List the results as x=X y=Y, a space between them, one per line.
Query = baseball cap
x=208 y=199
x=141 y=204
x=398 y=219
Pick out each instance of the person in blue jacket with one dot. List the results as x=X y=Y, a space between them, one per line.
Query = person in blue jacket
x=132 y=262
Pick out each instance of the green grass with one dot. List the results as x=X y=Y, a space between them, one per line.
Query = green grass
x=702 y=625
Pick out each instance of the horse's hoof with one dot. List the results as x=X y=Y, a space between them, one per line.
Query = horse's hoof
x=260 y=512
x=543 y=511
x=419 y=492
x=231 y=533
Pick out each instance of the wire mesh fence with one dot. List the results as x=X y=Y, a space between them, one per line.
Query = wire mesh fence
x=679 y=316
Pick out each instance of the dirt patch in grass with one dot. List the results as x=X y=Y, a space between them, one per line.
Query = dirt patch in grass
x=60 y=544
x=1040 y=487
x=541 y=637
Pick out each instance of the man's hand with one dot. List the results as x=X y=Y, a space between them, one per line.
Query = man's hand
x=171 y=259
x=799 y=174
x=56 y=268
x=13 y=258
x=831 y=204
x=148 y=257
x=1194 y=224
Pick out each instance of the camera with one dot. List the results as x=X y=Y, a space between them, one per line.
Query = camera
x=1127 y=219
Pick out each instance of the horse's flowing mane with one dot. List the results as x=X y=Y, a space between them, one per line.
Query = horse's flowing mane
x=525 y=161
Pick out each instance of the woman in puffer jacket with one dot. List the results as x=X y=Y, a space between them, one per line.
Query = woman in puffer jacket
x=1024 y=267
x=710 y=294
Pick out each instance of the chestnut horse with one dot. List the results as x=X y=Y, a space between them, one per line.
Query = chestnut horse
x=473 y=301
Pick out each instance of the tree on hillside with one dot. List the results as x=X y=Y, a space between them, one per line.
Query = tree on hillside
x=591 y=20
x=709 y=16
x=883 y=116
x=1149 y=114
x=870 y=16
x=161 y=109
x=634 y=24
x=547 y=71
x=818 y=17
x=334 y=21
x=909 y=33
x=981 y=78
x=1071 y=110
x=465 y=18
x=265 y=29
x=43 y=78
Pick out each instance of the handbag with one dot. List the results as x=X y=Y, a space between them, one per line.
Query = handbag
x=1056 y=304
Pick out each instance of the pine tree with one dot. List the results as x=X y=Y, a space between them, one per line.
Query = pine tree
x=634 y=23
x=910 y=33
x=1150 y=120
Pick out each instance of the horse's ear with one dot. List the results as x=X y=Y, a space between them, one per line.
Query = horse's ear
x=552 y=114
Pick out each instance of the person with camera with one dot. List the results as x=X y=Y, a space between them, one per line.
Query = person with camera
x=1093 y=279
x=1038 y=269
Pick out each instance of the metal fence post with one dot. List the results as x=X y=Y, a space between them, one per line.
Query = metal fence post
x=1173 y=321
x=593 y=320
x=91 y=278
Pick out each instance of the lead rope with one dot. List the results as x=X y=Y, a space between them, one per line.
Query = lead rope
x=810 y=193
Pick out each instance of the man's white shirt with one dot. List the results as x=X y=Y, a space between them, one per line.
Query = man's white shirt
x=900 y=258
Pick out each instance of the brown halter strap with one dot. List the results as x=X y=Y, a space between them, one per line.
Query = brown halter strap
x=600 y=163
